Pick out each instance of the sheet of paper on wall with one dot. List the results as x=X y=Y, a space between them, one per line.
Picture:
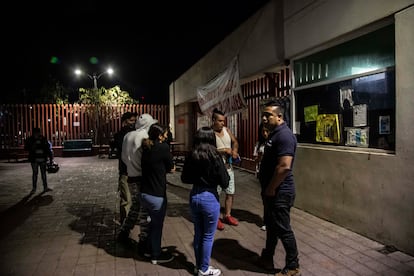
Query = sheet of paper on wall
x=384 y=124
x=360 y=115
x=311 y=112
x=345 y=95
x=297 y=128
x=327 y=128
x=357 y=137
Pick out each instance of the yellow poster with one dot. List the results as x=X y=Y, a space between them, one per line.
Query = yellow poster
x=327 y=128
x=311 y=112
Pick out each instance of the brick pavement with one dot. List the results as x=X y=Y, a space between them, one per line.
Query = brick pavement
x=72 y=230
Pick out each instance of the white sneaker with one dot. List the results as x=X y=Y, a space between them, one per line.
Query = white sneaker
x=211 y=271
x=263 y=228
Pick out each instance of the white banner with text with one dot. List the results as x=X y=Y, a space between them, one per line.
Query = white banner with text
x=223 y=92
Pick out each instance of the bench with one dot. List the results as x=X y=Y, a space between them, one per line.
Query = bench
x=16 y=153
x=77 y=147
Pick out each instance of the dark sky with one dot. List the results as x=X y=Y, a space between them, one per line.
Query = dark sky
x=147 y=44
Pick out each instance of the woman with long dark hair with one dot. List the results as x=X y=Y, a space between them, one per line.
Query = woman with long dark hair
x=205 y=169
x=156 y=162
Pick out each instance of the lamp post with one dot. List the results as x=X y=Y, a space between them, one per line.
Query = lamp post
x=94 y=99
x=94 y=76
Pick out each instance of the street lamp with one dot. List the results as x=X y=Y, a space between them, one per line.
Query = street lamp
x=94 y=76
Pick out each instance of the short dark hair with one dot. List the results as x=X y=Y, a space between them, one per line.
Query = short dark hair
x=279 y=105
x=216 y=112
x=127 y=115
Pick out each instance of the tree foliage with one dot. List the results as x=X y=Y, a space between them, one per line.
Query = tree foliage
x=102 y=96
x=97 y=103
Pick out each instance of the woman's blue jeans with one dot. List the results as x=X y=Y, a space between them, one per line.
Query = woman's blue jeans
x=156 y=207
x=205 y=211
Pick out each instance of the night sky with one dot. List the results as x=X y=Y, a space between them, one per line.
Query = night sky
x=148 y=45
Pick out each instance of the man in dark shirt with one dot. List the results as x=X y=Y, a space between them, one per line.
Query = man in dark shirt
x=278 y=189
x=127 y=124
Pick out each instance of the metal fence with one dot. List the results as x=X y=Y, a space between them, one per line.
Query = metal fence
x=256 y=93
x=63 y=122
x=68 y=121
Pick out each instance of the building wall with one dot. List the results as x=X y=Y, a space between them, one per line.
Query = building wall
x=368 y=191
x=258 y=42
x=309 y=24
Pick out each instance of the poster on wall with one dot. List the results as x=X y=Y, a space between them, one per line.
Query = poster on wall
x=327 y=128
x=357 y=137
x=384 y=124
x=311 y=113
x=345 y=95
x=203 y=121
x=360 y=115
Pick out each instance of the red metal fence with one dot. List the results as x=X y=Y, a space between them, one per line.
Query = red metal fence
x=63 y=122
x=67 y=121
x=273 y=85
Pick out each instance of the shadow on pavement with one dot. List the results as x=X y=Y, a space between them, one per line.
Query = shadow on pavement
x=232 y=255
x=180 y=260
x=243 y=215
x=98 y=227
x=14 y=216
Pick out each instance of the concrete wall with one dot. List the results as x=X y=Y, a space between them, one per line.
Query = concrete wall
x=366 y=190
x=258 y=42
x=309 y=24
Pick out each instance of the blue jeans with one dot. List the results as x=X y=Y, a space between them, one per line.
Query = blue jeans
x=205 y=211
x=156 y=207
x=277 y=221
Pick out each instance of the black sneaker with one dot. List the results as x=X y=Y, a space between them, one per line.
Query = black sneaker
x=123 y=237
x=164 y=257
x=143 y=250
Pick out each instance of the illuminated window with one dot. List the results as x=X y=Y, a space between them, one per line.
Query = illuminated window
x=353 y=102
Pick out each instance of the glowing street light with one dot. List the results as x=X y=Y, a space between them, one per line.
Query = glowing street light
x=94 y=76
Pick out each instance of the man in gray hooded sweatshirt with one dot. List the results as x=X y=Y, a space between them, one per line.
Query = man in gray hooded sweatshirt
x=131 y=156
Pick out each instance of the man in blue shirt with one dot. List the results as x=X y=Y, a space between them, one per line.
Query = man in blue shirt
x=278 y=189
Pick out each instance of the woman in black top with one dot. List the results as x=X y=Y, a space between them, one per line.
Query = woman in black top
x=156 y=162
x=204 y=168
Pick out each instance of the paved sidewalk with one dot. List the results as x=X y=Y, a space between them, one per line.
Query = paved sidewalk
x=72 y=230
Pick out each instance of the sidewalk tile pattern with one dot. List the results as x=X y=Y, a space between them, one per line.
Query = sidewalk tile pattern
x=72 y=230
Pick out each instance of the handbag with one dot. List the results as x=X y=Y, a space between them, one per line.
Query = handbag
x=52 y=167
